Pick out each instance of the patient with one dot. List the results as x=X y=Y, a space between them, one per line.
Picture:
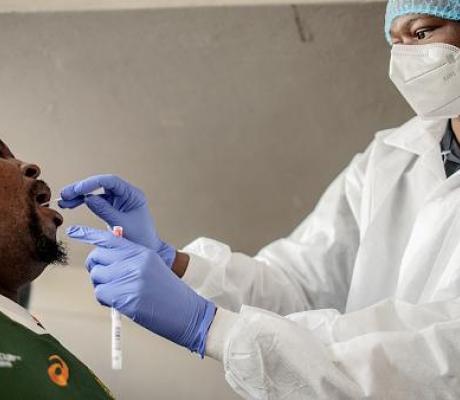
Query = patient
x=33 y=365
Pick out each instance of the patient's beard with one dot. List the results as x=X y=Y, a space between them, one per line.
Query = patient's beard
x=46 y=250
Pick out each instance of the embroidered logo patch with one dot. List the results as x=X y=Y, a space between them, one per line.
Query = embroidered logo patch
x=58 y=371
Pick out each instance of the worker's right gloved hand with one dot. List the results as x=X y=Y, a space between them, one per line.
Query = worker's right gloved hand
x=135 y=281
x=122 y=204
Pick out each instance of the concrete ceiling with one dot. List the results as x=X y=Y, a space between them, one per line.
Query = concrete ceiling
x=82 y=5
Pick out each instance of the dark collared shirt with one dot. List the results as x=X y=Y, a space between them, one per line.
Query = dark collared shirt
x=450 y=150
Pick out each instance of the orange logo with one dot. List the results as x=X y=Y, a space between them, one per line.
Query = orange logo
x=58 y=371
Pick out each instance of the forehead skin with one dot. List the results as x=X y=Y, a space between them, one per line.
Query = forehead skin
x=425 y=29
x=11 y=178
x=14 y=188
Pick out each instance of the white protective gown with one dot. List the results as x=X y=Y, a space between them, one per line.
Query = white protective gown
x=364 y=295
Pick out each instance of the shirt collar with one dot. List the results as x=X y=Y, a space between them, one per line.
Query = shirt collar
x=20 y=315
x=418 y=136
x=450 y=146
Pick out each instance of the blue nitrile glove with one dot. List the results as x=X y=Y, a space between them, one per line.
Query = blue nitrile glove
x=123 y=205
x=135 y=280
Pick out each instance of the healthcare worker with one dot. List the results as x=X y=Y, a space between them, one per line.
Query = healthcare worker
x=362 y=300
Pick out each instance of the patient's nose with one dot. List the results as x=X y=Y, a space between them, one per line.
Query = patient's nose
x=30 y=170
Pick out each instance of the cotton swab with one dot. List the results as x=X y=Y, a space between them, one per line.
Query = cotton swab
x=94 y=193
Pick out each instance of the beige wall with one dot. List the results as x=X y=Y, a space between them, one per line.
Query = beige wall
x=86 y=5
x=233 y=120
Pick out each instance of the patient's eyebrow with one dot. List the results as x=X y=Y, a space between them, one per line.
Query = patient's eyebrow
x=5 y=152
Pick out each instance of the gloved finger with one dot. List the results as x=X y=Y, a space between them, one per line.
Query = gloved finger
x=78 y=201
x=107 y=182
x=103 y=256
x=108 y=197
x=104 y=295
x=97 y=237
x=101 y=274
x=96 y=257
x=103 y=209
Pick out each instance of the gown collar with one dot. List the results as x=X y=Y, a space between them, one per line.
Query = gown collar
x=417 y=136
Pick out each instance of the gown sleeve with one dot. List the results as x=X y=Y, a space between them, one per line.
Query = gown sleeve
x=391 y=350
x=309 y=269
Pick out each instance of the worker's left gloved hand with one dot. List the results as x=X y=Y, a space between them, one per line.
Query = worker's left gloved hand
x=122 y=204
x=135 y=280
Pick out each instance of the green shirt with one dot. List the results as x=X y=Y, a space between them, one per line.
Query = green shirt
x=34 y=365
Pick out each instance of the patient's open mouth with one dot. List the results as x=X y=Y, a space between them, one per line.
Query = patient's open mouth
x=43 y=199
x=41 y=194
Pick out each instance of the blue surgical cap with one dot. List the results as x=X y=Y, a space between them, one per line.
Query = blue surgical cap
x=446 y=9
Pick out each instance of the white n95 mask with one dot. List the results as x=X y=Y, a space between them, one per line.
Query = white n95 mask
x=428 y=76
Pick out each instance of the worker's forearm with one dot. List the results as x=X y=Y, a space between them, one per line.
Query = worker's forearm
x=180 y=264
x=219 y=331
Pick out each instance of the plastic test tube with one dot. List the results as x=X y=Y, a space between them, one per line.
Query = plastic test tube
x=117 y=356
